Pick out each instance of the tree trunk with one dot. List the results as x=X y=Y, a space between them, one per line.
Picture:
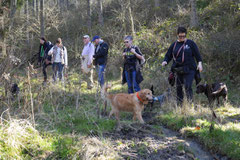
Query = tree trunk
x=131 y=18
x=67 y=4
x=156 y=3
x=193 y=16
x=61 y=6
x=4 y=45
x=37 y=9
x=41 y=18
x=33 y=7
x=89 y=23
x=100 y=12
x=26 y=11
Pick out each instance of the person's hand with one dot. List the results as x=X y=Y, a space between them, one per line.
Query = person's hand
x=199 y=67
x=89 y=65
x=133 y=50
x=164 y=63
x=124 y=53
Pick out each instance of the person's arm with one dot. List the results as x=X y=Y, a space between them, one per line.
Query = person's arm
x=50 y=51
x=197 y=55
x=136 y=51
x=102 y=51
x=65 y=57
x=91 y=53
x=168 y=55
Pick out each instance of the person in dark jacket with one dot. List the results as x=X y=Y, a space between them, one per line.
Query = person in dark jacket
x=184 y=52
x=131 y=71
x=100 y=56
x=43 y=59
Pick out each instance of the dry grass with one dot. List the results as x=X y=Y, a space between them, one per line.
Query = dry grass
x=19 y=140
x=94 y=148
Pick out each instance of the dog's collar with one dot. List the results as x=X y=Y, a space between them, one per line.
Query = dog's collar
x=140 y=99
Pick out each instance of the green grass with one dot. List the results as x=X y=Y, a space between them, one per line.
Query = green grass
x=224 y=139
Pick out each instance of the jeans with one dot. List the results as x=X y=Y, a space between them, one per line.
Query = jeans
x=133 y=86
x=100 y=71
x=57 y=70
x=186 y=80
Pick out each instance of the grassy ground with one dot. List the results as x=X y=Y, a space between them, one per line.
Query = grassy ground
x=195 y=123
x=66 y=124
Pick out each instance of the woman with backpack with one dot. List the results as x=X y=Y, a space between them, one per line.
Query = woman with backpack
x=131 y=70
x=59 y=59
x=184 y=52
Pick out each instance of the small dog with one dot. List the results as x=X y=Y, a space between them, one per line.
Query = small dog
x=213 y=91
x=128 y=102
x=15 y=89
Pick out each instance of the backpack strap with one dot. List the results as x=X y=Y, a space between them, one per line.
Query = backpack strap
x=178 y=52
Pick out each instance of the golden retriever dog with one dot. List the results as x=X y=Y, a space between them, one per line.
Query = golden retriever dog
x=128 y=102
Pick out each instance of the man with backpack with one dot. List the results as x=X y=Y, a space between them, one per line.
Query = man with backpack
x=87 y=59
x=43 y=59
x=100 y=56
x=59 y=59
x=133 y=59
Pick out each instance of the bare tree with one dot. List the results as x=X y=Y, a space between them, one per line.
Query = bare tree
x=156 y=3
x=33 y=7
x=3 y=19
x=89 y=21
x=100 y=12
x=37 y=9
x=131 y=17
x=193 y=16
x=41 y=18
x=26 y=12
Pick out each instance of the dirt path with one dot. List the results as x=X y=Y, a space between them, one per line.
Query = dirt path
x=136 y=141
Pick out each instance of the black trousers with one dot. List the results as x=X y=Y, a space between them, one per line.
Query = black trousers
x=186 y=80
x=44 y=70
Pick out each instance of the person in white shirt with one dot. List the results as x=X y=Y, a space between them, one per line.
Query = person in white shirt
x=59 y=59
x=87 y=59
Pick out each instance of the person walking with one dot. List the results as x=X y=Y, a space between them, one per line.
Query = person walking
x=131 y=70
x=184 y=52
x=87 y=59
x=100 y=56
x=59 y=60
x=43 y=59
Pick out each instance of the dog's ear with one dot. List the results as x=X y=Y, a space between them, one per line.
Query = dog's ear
x=152 y=89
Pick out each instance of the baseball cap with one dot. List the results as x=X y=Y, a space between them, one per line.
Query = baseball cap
x=95 y=37
x=86 y=36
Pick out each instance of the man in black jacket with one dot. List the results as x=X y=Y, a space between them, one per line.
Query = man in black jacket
x=43 y=59
x=100 y=56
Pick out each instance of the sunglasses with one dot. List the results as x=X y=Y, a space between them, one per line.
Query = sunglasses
x=126 y=42
x=181 y=36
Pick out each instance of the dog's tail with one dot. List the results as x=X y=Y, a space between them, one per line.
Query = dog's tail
x=220 y=89
x=104 y=92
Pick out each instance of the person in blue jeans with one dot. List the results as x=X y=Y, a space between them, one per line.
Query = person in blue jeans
x=59 y=59
x=185 y=54
x=131 y=71
x=100 y=56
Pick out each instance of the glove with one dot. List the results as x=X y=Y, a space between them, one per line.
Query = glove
x=199 y=67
